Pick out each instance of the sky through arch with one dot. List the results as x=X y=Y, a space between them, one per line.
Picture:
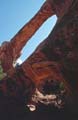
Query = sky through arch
x=14 y=14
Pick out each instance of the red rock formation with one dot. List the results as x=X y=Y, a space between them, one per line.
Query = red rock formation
x=10 y=51
x=57 y=57
x=54 y=59
x=48 y=61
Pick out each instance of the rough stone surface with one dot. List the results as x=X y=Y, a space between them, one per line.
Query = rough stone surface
x=54 y=59
x=10 y=51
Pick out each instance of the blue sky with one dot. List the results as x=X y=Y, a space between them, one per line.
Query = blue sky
x=14 y=14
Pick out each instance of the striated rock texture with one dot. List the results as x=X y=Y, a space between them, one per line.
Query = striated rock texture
x=54 y=59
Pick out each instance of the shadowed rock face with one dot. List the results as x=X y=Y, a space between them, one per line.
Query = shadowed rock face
x=55 y=59
x=57 y=55
x=60 y=7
